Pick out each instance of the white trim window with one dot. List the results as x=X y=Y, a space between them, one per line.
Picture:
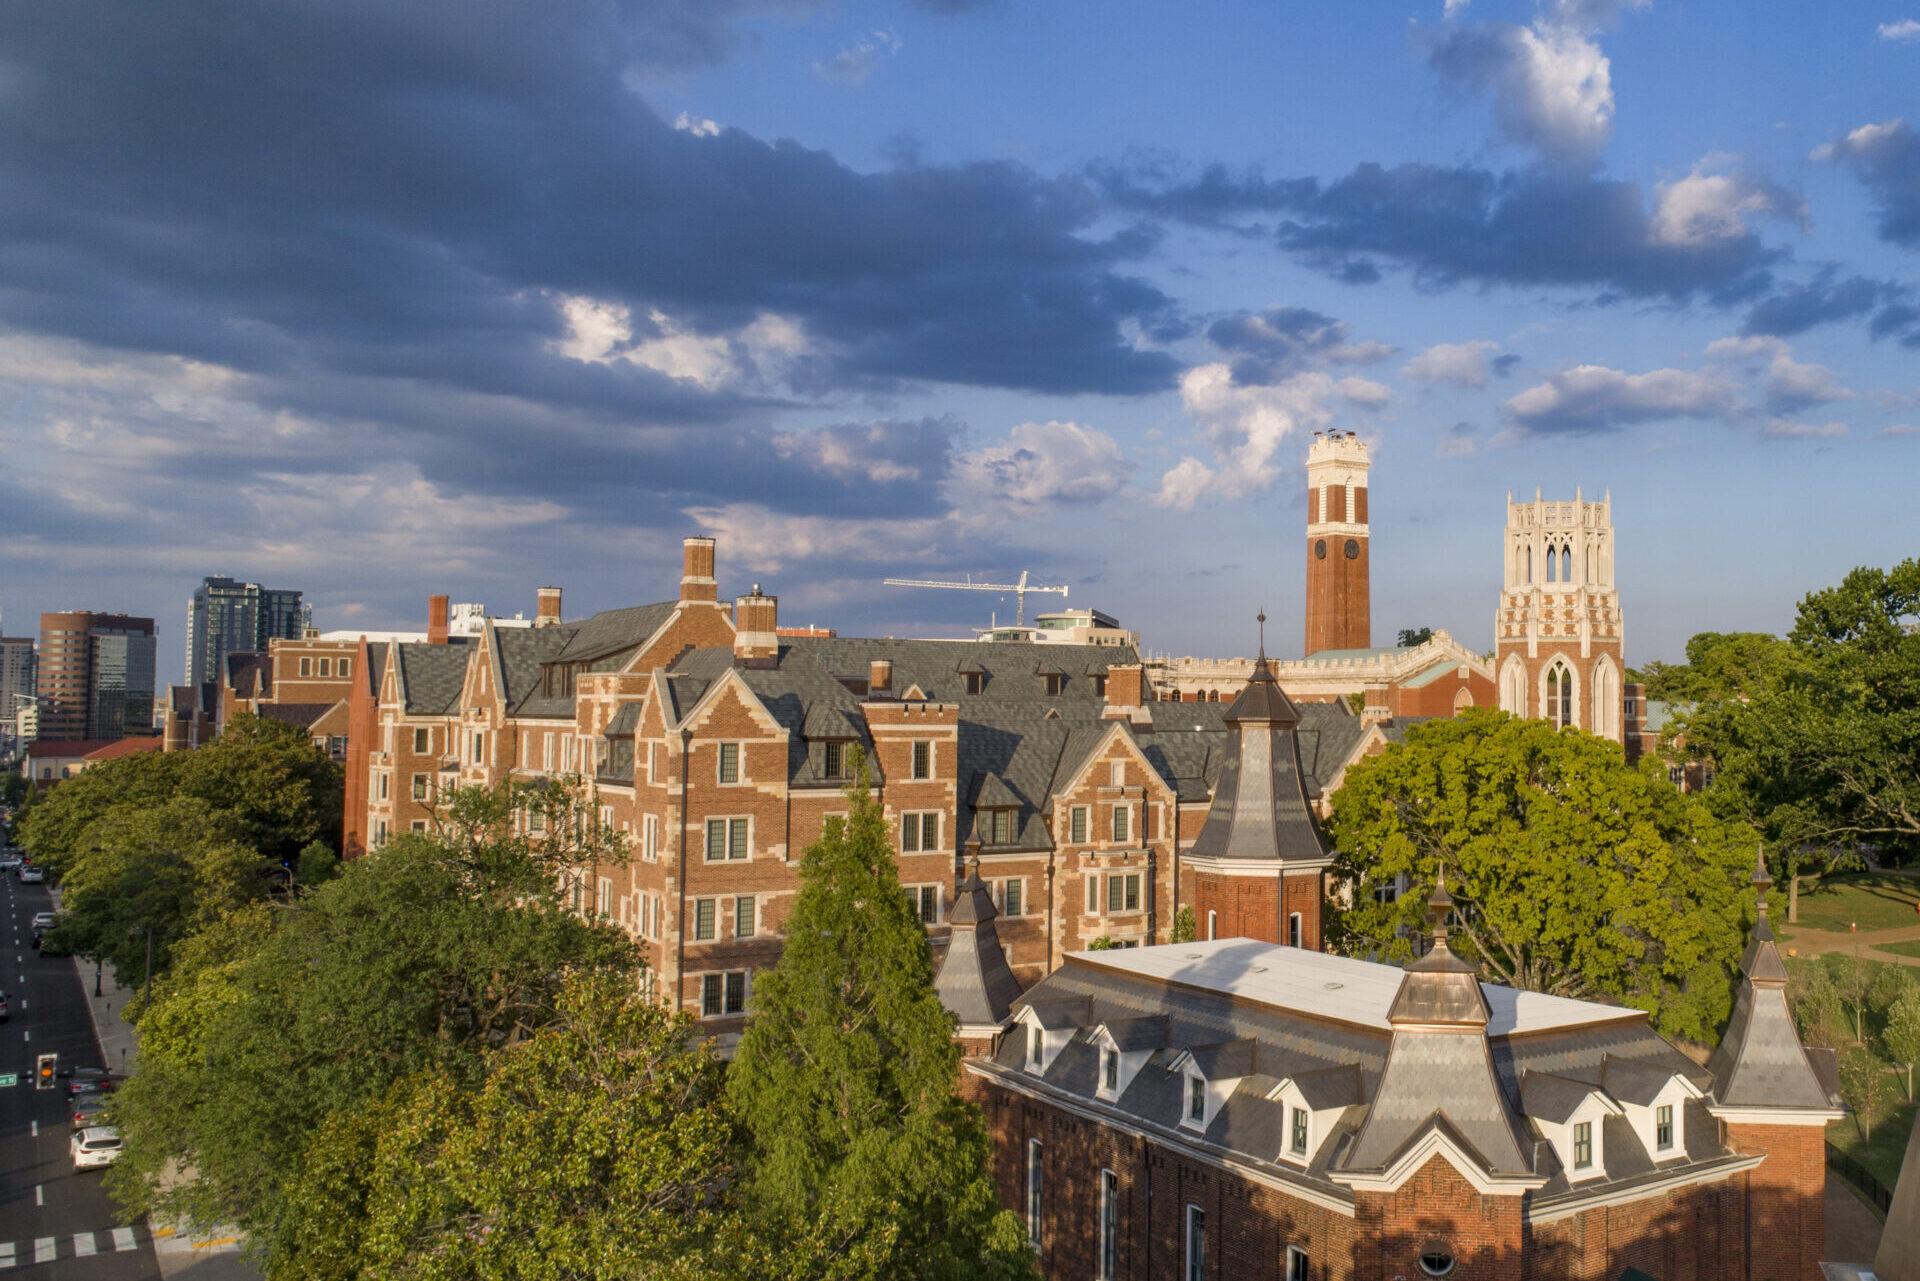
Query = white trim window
x=1010 y=896
x=650 y=838
x=706 y=920
x=1196 y=1244
x=422 y=740
x=1035 y=1189
x=1109 y=1226
x=920 y=832
x=729 y=840
x=1122 y=822
x=1123 y=894
x=1193 y=1113
x=1298 y=1264
x=603 y=898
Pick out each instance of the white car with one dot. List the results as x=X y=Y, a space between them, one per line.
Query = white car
x=42 y=921
x=32 y=875
x=94 y=1147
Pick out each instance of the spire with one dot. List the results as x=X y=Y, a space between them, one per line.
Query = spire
x=974 y=981
x=1760 y=1062
x=1262 y=616
x=1440 y=987
x=1260 y=808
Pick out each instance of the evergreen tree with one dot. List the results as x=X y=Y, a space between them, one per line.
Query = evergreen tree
x=862 y=1160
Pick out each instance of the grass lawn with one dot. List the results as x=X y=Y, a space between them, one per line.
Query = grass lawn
x=1911 y=948
x=1889 y=1145
x=1873 y=900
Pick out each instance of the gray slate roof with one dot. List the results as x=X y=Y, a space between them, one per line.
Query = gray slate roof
x=974 y=981
x=431 y=676
x=1261 y=811
x=614 y=631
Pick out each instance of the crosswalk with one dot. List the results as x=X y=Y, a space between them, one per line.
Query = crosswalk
x=46 y=1249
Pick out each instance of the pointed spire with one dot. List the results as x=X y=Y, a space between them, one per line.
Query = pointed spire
x=1262 y=617
x=974 y=980
x=1761 y=880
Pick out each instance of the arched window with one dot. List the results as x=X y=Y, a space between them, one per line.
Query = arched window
x=1462 y=701
x=1566 y=564
x=1560 y=696
x=1550 y=564
x=1529 y=564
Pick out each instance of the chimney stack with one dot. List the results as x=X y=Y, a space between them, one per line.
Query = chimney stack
x=1126 y=686
x=880 y=676
x=547 y=612
x=696 y=576
x=436 y=620
x=756 y=624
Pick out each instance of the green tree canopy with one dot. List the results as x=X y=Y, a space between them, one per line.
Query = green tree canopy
x=863 y=1161
x=1720 y=665
x=419 y=958
x=1573 y=873
x=597 y=1148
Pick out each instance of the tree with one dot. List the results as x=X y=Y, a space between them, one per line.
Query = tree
x=1575 y=874
x=1185 y=926
x=420 y=958
x=1411 y=636
x=863 y=1161
x=599 y=1147
x=1862 y=1078
x=1902 y=1036
x=1823 y=754
x=1719 y=666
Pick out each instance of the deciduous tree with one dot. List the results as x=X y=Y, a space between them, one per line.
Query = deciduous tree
x=1574 y=873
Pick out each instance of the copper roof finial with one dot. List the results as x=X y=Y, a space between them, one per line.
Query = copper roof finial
x=1262 y=617
x=1440 y=904
x=1761 y=879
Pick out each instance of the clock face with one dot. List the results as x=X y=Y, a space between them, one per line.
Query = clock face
x=1353 y=549
x=1320 y=548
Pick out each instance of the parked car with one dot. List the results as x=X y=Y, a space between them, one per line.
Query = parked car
x=42 y=920
x=95 y=1146
x=71 y=1072
x=92 y=1085
x=31 y=875
x=86 y=1110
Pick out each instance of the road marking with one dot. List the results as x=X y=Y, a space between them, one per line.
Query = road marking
x=6 y=1254
x=216 y=1243
x=39 y=1194
x=44 y=1249
x=36 y=1129
x=123 y=1239
x=83 y=1244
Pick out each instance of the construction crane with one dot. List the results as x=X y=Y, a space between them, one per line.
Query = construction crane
x=1019 y=590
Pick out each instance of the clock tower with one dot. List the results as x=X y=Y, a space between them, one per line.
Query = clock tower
x=1338 y=597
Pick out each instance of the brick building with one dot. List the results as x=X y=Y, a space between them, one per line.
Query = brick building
x=1339 y=599
x=96 y=675
x=1558 y=634
x=1235 y=1109
x=719 y=746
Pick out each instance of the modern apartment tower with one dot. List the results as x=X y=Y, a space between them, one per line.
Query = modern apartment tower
x=230 y=617
x=16 y=675
x=96 y=676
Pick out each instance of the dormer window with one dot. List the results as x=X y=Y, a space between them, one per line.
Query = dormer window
x=1196 y=1101
x=1583 y=1145
x=1035 y=1047
x=995 y=826
x=976 y=682
x=833 y=759
x=1663 y=1128
x=1297 y=1132
x=1055 y=682
x=1110 y=1071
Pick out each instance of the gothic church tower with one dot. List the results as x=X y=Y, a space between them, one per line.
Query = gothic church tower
x=1338 y=596
x=1557 y=634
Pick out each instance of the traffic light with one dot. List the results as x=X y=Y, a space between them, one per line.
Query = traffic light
x=43 y=1068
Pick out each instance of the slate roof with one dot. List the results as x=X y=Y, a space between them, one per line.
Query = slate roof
x=1484 y=1090
x=300 y=714
x=1261 y=810
x=432 y=676
x=974 y=981
x=523 y=651
x=613 y=631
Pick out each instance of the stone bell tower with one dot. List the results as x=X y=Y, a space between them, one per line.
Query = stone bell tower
x=1338 y=596
x=1558 y=635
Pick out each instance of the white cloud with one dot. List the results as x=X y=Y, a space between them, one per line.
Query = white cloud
x=1706 y=206
x=1454 y=8
x=1043 y=464
x=1245 y=426
x=1463 y=364
x=1864 y=139
x=698 y=126
x=1595 y=398
x=1782 y=429
x=1361 y=353
x=1558 y=93
x=602 y=332
x=853 y=64
x=765 y=541
x=1905 y=31
x=1900 y=429
x=1789 y=384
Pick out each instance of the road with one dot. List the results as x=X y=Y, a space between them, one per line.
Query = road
x=54 y=1223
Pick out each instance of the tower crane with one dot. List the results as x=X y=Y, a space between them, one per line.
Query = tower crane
x=1019 y=590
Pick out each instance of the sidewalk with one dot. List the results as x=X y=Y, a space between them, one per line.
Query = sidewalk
x=1806 y=942
x=181 y=1253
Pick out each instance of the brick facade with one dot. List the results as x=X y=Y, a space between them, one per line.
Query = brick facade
x=1558 y=634
x=1339 y=601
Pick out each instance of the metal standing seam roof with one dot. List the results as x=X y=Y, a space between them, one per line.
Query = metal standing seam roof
x=1261 y=810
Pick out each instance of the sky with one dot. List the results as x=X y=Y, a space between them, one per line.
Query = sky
x=377 y=300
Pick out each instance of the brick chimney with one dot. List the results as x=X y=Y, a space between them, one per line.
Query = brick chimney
x=1126 y=685
x=436 y=620
x=547 y=612
x=1377 y=705
x=696 y=576
x=880 y=676
x=756 y=622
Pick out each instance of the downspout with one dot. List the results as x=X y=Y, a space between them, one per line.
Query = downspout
x=680 y=912
x=1050 y=857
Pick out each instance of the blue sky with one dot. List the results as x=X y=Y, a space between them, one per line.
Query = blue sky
x=379 y=300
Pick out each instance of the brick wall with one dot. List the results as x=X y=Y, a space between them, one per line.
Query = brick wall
x=1787 y=1232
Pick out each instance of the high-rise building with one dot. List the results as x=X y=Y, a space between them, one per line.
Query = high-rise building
x=226 y=616
x=17 y=663
x=1338 y=600
x=1558 y=636
x=96 y=675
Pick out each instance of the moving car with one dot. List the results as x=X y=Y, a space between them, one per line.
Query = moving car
x=95 y=1146
x=9 y=860
x=83 y=1073
x=42 y=920
x=91 y=1085
x=86 y=1110
x=31 y=875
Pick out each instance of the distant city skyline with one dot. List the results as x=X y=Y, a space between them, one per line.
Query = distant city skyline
x=930 y=288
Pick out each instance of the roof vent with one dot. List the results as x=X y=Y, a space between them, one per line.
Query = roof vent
x=1193 y=956
x=1332 y=987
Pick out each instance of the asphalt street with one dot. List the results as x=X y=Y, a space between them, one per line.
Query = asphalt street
x=54 y=1222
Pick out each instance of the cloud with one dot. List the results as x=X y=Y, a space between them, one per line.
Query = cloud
x=1901 y=429
x=1041 y=465
x=853 y=64
x=1798 y=308
x=1782 y=429
x=1453 y=225
x=1905 y=31
x=1463 y=364
x=1459 y=442
x=1246 y=425
x=1551 y=86
x=1593 y=398
x=1789 y=385
x=698 y=126
x=1707 y=206
x=1885 y=157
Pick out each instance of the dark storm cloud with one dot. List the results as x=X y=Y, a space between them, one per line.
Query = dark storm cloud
x=370 y=192
x=1886 y=160
x=1453 y=225
x=1267 y=346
